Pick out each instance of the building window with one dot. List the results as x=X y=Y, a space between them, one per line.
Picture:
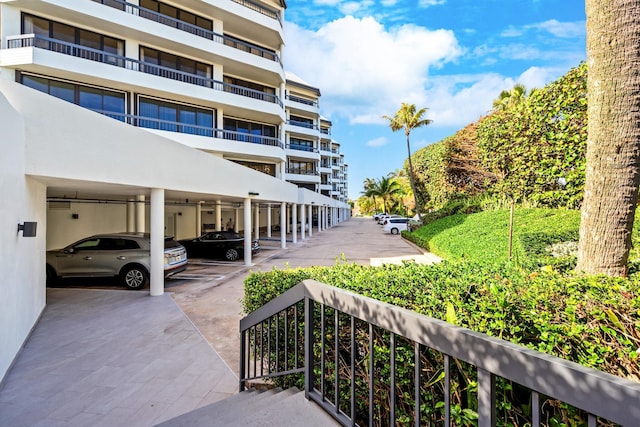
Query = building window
x=300 y=144
x=104 y=101
x=249 y=85
x=301 y=167
x=176 y=13
x=241 y=127
x=66 y=33
x=197 y=72
x=266 y=168
x=165 y=115
x=301 y=121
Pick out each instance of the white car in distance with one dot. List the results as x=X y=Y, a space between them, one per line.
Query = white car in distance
x=396 y=225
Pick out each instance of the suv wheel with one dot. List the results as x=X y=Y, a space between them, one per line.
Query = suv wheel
x=231 y=254
x=135 y=277
x=394 y=231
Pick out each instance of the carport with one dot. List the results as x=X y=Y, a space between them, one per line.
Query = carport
x=83 y=157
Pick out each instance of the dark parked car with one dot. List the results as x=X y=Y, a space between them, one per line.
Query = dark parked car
x=123 y=255
x=227 y=245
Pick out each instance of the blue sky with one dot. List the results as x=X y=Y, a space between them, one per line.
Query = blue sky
x=451 y=56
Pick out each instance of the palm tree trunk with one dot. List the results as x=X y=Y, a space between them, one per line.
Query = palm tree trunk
x=613 y=143
x=412 y=181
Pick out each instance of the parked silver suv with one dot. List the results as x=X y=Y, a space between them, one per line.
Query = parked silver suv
x=123 y=255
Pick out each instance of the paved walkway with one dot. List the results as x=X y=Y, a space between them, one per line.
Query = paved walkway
x=109 y=357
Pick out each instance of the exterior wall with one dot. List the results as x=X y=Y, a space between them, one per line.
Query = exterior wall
x=23 y=199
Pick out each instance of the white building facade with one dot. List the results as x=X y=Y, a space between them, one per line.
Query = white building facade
x=141 y=115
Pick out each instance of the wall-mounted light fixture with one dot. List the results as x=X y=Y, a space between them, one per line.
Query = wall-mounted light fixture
x=253 y=193
x=75 y=216
x=28 y=229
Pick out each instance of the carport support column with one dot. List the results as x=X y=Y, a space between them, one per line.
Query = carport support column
x=140 y=214
x=303 y=221
x=131 y=215
x=268 y=220
x=310 y=219
x=247 y=231
x=198 y=219
x=218 y=215
x=256 y=222
x=283 y=225
x=294 y=222
x=157 y=242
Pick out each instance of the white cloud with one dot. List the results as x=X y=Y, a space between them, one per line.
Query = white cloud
x=377 y=142
x=364 y=69
x=552 y=26
x=428 y=3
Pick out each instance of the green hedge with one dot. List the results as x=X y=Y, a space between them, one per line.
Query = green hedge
x=594 y=321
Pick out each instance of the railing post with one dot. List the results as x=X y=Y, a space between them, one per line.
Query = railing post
x=243 y=356
x=308 y=347
x=486 y=398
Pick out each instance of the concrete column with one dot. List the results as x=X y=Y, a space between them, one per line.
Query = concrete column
x=310 y=219
x=247 y=231
x=218 y=215
x=269 y=221
x=303 y=221
x=294 y=222
x=140 y=214
x=283 y=225
x=256 y=221
x=198 y=218
x=131 y=215
x=157 y=242
x=236 y=218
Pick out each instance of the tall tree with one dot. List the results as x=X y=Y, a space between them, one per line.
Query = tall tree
x=387 y=189
x=613 y=142
x=408 y=118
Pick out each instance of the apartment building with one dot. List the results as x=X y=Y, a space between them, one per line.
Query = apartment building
x=161 y=116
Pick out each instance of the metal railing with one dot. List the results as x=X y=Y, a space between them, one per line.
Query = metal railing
x=173 y=126
x=299 y=171
x=300 y=100
x=65 y=48
x=301 y=147
x=328 y=340
x=260 y=9
x=161 y=18
x=302 y=124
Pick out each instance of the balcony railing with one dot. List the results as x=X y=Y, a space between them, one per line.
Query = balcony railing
x=260 y=9
x=301 y=147
x=302 y=124
x=299 y=171
x=346 y=350
x=172 y=126
x=301 y=100
x=65 y=48
x=152 y=15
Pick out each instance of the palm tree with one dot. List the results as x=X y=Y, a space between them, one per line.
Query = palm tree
x=613 y=141
x=370 y=186
x=408 y=118
x=510 y=98
x=387 y=188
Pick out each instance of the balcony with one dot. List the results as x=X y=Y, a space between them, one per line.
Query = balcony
x=260 y=9
x=191 y=129
x=194 y=29
x=78 y=51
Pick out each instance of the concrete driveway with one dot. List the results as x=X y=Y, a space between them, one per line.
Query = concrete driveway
x=210 y=292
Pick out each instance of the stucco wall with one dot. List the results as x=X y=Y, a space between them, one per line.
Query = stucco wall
x=23 y=276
